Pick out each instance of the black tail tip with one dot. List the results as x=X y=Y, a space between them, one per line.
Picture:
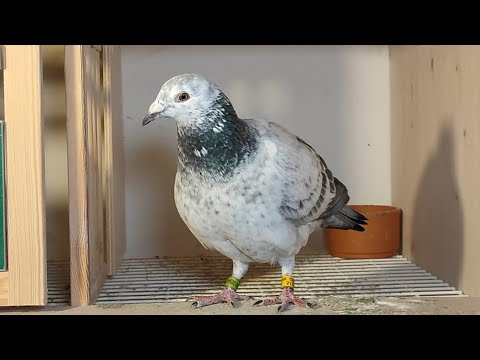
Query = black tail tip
x=360 y=216
x=358 y=228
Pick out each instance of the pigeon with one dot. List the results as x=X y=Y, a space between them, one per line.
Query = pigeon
x=247 y=188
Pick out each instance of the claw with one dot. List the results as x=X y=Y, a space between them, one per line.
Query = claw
x=195 y=305
x=284 y=305
x=258 y=303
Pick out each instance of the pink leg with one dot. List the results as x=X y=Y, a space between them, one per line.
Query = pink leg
x=228 y=296
x=285 y=298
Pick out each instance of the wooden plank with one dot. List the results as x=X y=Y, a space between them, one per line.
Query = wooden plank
x=84 y=116
x=114 y=158
x=92 y=151
x=3 y=208
x=435 y=139
x=25 y=178
x=98 y=258
x=4 y=288
x=77 y=176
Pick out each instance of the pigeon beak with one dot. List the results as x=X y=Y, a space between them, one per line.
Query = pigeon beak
x=149 y=118
x=154 y=113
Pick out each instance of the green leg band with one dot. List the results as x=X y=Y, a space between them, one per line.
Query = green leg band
x=233 y=283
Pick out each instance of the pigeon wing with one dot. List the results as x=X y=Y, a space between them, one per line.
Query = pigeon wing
x=309 y=191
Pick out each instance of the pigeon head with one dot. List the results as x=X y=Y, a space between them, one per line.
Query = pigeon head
x=191 y=100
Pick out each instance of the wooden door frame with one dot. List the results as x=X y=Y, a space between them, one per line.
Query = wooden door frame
x=114 y=157
x=25 y=281
x=85 y=286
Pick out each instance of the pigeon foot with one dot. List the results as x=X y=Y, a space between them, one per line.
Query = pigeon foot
x=284 y=300
x=228 y=296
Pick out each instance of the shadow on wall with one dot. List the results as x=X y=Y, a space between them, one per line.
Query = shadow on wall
x=56 y=165
x=57 y=229
x=437 y=233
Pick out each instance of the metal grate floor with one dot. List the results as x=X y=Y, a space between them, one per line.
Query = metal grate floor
x=58 y=282
x=178 y=279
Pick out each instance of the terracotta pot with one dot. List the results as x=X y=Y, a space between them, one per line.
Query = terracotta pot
x=381 y=238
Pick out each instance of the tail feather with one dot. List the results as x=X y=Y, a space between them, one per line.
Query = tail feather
x=345 y=219
x=354 y=215
x=338 y=215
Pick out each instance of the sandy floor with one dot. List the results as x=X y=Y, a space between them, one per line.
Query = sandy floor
x=326 y=306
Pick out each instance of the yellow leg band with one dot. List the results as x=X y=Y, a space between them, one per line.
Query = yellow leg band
x=232 y=283
x=287 y=281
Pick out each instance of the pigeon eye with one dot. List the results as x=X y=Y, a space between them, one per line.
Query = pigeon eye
x=183 y=96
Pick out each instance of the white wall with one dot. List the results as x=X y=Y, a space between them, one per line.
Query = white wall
x=335 y=97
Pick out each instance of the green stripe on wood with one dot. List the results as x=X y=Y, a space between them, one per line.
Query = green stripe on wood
x=3 y=261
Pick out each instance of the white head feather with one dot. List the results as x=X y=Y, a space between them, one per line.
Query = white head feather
x=184 y=98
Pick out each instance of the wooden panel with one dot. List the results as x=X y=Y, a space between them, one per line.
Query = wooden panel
x=3 y=204
x=95 y=105
x=84 y=117
x=114 y=158
x=25 y=183
x=77 y=181
x=3 y=288
x=435 y=134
